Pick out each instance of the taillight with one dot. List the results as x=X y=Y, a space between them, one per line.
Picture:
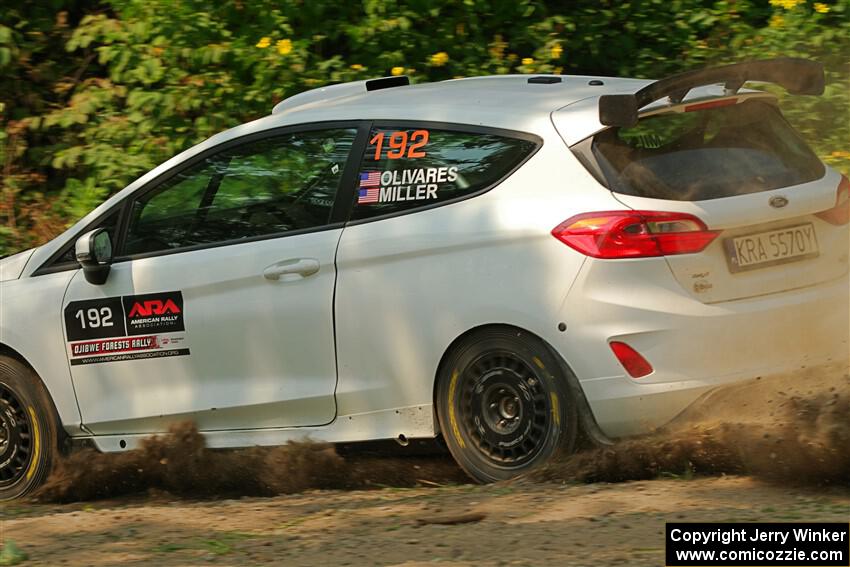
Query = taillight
x=634 y=234
x=636 y=365
x=840 y=213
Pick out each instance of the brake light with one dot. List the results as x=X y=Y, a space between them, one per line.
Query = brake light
x=840 y=213
x=636 y=365
x=634 y=234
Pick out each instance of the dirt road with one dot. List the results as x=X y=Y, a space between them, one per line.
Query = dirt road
x=792 y=430
x=528 y=524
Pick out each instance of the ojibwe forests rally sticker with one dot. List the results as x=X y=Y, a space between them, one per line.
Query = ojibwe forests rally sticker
x=130 y=327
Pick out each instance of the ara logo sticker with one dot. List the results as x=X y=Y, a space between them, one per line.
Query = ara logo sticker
x=153 y=307
x=154 y=313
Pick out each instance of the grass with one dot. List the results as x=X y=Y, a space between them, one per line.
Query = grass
x=11 y=554
x=168 y=548
x=217 y=547
x=221 y=544
x=294 y=522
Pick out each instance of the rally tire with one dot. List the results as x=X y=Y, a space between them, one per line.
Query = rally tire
x=504 y=404
x=29 y=430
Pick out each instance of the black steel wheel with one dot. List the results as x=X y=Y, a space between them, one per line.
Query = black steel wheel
x=504 y=404
x=28 y=430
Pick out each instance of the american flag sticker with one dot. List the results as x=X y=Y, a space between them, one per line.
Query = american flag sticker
x=370 y=187
x=368 y=195
x=370 y=178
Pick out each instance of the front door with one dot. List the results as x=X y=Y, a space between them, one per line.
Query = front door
x=219 y=308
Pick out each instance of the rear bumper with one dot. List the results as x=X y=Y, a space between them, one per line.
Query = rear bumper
x=693 y=347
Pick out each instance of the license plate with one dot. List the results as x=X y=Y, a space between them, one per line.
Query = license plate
x=771 y=248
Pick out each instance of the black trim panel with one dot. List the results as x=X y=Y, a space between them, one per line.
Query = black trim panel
x=347 y=186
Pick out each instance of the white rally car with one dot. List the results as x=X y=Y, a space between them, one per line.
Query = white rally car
x=508 y=262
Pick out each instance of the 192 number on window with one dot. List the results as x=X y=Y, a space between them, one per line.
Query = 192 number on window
x=94 y=318
x=400 y=144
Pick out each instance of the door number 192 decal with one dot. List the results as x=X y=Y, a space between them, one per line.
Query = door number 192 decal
x=95 y=317
x=131 y=327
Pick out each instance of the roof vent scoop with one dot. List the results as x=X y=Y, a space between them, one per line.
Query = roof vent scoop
x=338 y=91
x=387 y=83
x=544 y=80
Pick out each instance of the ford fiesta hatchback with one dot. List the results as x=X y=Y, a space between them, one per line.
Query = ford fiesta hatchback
x=506 y=262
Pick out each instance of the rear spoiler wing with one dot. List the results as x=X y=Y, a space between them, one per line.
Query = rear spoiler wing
x=797 y=76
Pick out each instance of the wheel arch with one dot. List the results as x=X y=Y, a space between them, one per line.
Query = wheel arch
x=587 y=422
x=6 y=350
x=12 y=353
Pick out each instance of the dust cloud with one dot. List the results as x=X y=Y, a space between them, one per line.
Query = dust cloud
x=792 y=429
x=180 y=464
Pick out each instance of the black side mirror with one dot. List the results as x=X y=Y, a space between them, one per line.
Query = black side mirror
x=94 y=253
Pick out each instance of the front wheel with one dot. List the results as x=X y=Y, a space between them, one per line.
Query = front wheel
x=28 y=430
x=504 y=405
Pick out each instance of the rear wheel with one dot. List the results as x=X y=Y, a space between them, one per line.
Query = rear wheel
x=28 y=430
x=504 y=405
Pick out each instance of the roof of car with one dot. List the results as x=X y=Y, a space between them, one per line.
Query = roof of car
x=469 y=100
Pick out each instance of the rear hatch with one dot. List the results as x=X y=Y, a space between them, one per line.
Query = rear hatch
x=736 y=164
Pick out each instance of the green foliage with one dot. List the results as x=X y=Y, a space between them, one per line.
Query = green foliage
x=95 y=93
x=11 y=554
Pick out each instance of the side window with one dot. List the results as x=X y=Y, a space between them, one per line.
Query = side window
x=406 y=168
x=270 y=186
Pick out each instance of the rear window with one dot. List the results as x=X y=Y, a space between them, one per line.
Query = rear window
x=411 y=168
x=705 y=154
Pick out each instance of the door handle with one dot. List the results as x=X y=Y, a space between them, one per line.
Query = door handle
x=289 y=270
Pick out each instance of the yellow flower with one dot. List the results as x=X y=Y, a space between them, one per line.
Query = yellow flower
x=284 y=46
x=776 y=21
x=821 y=8
x=527 y=61
x=357 y=67
x=397 y=71
x=264 y=42
x=439 y=59
x=556 y=51
x=497 y=48
x=787 y=4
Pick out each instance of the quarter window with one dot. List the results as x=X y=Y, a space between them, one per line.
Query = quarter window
x=271 y=186
x=408 y=168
